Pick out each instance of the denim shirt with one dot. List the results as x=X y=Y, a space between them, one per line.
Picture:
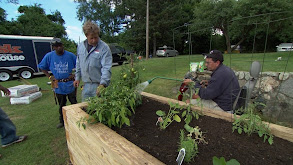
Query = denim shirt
x=94 y=66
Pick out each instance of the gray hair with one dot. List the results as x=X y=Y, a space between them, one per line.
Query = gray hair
x=90 y=27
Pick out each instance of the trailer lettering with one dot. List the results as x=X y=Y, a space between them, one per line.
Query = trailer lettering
x=7 y=48
x=10 y=57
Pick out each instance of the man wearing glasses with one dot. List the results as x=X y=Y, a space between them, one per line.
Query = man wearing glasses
x=61 y=63
x=220 y=91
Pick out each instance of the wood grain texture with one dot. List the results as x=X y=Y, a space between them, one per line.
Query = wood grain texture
x=98 y=144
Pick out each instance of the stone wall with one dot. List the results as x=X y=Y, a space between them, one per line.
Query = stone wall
x=275 y=90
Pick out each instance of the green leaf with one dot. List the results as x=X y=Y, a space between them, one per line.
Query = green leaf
x=245 y=129
x=265 y=138
x=126 y=120
x=117 y=119
x=161 y=113
x=233 y=162
x=184 y=113
x=177 y=118
x=100 y=118
x=270 y=140
x=217 y=161
x=188 y=119
x=188 y=128
x=113 y=118
x=83 y=125
x=168 y=120
x=239 y=130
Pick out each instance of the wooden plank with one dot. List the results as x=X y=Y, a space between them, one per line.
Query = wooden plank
x=277 y=130
x=104 y=144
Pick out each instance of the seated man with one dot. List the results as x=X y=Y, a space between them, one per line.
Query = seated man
x=220 y=91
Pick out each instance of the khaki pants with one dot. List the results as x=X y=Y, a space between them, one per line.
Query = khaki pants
x=208 y=104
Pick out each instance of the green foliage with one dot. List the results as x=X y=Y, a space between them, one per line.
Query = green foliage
x=191 y=141
x=165 y=120
x=222 y=161
x=250 y=123
x=115 y=104
x=130 y=73
x=118 y=101
x=191 y=148
x=187 y=113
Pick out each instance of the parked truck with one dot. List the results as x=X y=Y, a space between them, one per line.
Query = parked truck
x=20 y=55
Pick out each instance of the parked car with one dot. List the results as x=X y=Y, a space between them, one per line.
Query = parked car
x=117 y=53
x=284 y=47
x=166 y=51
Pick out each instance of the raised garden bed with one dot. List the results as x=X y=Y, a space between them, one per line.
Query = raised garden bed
x=98 y=144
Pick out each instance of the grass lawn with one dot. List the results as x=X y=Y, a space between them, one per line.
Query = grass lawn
x=46 y=145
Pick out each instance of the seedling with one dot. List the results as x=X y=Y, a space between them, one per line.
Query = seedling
x=252 y=123
x=165 y=120
x=222 y=161
x=190 y=141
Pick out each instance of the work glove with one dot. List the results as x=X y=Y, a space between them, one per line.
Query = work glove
x=99 y=89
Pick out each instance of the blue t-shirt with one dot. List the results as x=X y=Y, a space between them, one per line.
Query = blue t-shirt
x=61 y=67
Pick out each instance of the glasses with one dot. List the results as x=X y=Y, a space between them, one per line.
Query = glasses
x=209 y=62
x=56 y=41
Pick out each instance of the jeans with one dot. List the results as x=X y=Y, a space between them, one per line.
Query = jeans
x=62 y=102
x=89 y=90
x=7 y=129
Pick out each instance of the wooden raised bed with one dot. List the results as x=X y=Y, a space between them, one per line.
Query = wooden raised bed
x=98 y=144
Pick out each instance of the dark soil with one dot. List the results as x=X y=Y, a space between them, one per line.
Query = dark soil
x=163 y=144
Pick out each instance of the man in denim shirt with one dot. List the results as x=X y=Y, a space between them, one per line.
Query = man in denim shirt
x=93 y=63
x=220 y=91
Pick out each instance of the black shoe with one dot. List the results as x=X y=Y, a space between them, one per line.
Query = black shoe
x=60 y=125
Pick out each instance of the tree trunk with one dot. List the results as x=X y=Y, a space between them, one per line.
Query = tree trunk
x=154 y=46
x=228 y=44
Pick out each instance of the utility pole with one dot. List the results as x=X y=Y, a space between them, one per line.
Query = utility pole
x=147 y=31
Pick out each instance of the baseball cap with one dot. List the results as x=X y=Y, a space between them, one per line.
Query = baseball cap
x=215 y=54
x=56 y=41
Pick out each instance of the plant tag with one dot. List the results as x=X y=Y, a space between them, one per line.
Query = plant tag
x=180 y=156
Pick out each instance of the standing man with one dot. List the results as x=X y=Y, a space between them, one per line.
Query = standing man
x=220 y=91
x=60 y=62
x=7 y=128
x=93 y=63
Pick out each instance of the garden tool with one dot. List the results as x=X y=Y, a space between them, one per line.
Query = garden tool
x=142 y=86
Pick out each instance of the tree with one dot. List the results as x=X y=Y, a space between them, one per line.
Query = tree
x=34 y=21
x=127 y=18
x=104 y=13
x=228 y=16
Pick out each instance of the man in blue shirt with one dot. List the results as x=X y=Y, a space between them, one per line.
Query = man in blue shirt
x=220 y=91
x=94 y=62
x=61 y=63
